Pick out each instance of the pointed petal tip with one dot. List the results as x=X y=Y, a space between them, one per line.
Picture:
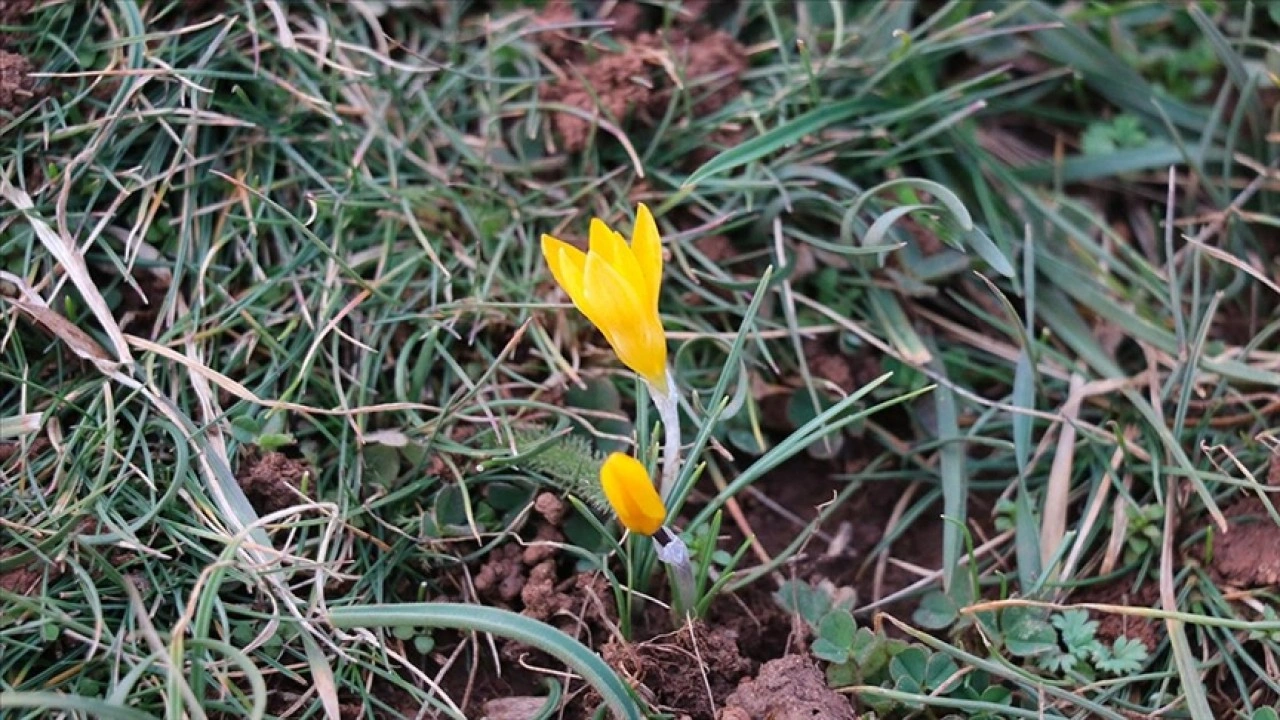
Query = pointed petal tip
x=550 y=242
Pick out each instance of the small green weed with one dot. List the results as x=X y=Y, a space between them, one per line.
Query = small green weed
x=867 y=659
x=1120 y=133
x=1080 y=651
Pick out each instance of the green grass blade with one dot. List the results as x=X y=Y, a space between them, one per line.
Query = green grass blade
x=774 y=140
x=69 y=703
x=504 y=623
x=989 y=251
x=1023 y=397
x=955 y=488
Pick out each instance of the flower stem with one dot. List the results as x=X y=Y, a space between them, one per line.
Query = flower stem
x=667 y=403
x=675 y=554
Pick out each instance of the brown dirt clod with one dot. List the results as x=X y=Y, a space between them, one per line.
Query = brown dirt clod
x=17 y=87
x=557 y=43
x=1248 y=554
x=628 y=19
x=550 y=507
x=271 y=481
x=22 y=580
x=837 y=368
x=716 y=248
x=664 y=666
x=27 y=579
x=789 y=688
x=543 y=547
x=502 y=574
x=12 y=11
x=635 y=83
x=584 y=594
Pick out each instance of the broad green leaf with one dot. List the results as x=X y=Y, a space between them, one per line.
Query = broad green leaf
x=836 y=630
x=951 y=470
x=1026 y=634
x=1026 y=540
x=936 y=612
x=1024 y=388
x=801 y=598
x=938 y=671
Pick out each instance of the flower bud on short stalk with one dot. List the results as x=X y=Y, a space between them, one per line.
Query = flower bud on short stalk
x=630 y=492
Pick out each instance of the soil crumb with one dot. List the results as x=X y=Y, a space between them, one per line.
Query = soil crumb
x=527 y=577
x=1115 y=625
x=845 y=371
x=271 y=481
x=637 y=84
x=547 y=598
x=558 y=43
x=24 y=579
x=17 y=87
x=12 y=13
x=628 y=19
x=789 y=688
x=513 y=708
x=14 y=451
x=675 y=670
x=1248 y=554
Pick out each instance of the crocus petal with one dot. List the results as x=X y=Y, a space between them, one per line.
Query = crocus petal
x=631 y=494
x=631 y=326
x=567 y=264
x=609 y=245
x=646 y=245
x=568 y=267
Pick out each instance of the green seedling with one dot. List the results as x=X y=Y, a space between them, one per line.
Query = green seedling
x=1078 y=650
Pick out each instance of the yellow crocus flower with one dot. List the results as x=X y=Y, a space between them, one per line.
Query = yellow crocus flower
x=630 y=492
x=616 y=286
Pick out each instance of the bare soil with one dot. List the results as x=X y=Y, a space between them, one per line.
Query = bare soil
x=636 y=84
x=12 y=13
x=271 y=480
x=1248 y=554
x=22 y=580
x=17 y=86
x=1112 y=625
x=789 y=688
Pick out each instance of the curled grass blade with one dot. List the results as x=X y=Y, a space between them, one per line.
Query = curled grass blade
x=503 y=623
x=49 y=701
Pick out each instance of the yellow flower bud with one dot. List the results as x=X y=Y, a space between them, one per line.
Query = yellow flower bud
x=631 y=494
x=616 y=286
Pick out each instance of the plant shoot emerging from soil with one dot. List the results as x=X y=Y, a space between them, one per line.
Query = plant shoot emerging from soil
x=631 y=495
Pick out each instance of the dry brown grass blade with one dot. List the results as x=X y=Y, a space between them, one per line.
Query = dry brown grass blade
x=19 y=425
x=72 y=262
x=77 y=340
x=1094 y=511
x=1058 y=490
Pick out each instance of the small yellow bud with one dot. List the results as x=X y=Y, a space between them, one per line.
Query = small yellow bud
x=630 y=492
